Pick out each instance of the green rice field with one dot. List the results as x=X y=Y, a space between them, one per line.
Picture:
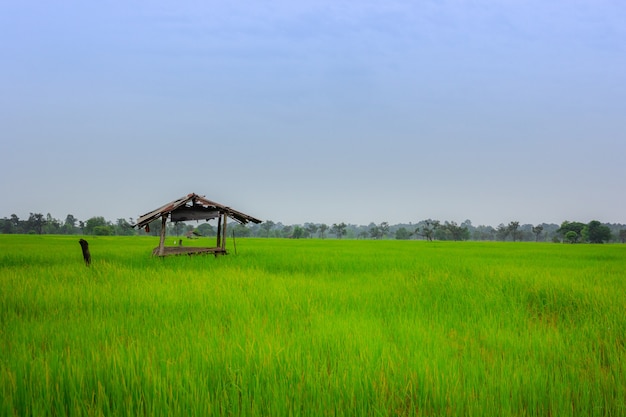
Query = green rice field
x=312 y=328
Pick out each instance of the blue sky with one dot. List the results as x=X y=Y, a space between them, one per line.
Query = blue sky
x=321 y=111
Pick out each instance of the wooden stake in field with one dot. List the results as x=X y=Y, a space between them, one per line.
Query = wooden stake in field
x=86 y=255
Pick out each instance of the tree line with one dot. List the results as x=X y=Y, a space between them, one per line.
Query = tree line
x=429 y=229
x=39 y=224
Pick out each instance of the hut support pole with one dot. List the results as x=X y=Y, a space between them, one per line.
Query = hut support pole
x=219 y=232
x=224 y=233
x=162 y=242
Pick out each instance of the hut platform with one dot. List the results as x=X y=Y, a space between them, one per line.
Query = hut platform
x=180 y=250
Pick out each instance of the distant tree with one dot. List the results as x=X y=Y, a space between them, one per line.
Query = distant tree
x=51 y=225
x=5 y=226
x=568 y=226
x=622 y=235
x=512 y=228
x=428 y=229
x=16 y=224
x=384 y=229
x=311 y=228
x=502 y=232
x=105 y=230
x=375 y=232
x=596 y=232
x=323 y=228
x=124 y=228
x=338 y=230
x=455 y=231
x=94 y=222
x=267 y=227
x=286 y=231
x=537 y=231
x=403 y=234
x=572 y=236
x=483 y=232
x=178 y=228
x=12 y=225
x=69 y=226
x=36 y=223
x=298 y=232
x=205 y=229
x=240 y=230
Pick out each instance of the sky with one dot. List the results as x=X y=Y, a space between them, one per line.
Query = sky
x=321 y=111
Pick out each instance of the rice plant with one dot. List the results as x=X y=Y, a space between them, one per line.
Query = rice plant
x=312 y=327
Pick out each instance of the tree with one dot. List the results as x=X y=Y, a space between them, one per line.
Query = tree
x=571 y=236
x=339 y=230
x=267 y=227
x=596 y=232
x=36 y=223
x=483 y=232
x=98 y=221
x=379 y=231
x=455 y=231
x=51 y=225
x=6 y=226
x=502 y=232
x=375 y=232
x=124 y=228
x=178 y=228
x=286 y=231
x=622 y=235
x=311 y=228
x=428 y=229
x=69 y=226
x=12 y=225
x=512 y=228
x=105 y=230
x=205 y=229
x=323 y=228
x=537 y=231
x=384 y=229
x=240 y=230
x=403 y=234
x=567 y=227
x=298 y=232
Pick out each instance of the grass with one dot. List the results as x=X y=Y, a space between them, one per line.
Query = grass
x=312 y=327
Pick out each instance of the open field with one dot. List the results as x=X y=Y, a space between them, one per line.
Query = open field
x=312 y=327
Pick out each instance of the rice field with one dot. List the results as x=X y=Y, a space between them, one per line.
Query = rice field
x=312 y=328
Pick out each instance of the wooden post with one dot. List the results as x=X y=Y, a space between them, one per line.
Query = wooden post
x=162 y=242
x=224 y=233
x=219 y=231
x=86 y=255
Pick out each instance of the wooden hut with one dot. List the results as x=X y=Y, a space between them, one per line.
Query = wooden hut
x=193 y=207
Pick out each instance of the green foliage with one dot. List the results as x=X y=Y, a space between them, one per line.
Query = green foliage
x=338 y=229
x=93 y=223
x=575 y=227
x=312 y=327
x=571 y=236
x=596 y=232
x=298 y=232
x=103 y=231
x=403 y=234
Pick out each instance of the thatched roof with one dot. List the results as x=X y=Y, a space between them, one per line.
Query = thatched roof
x=194 y=207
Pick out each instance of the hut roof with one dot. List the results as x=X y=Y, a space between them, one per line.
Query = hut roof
x=194 y=207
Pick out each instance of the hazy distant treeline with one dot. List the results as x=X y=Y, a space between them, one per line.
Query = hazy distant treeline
x=429 y=229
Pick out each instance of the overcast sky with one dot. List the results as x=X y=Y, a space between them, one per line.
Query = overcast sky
x=321 y=111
